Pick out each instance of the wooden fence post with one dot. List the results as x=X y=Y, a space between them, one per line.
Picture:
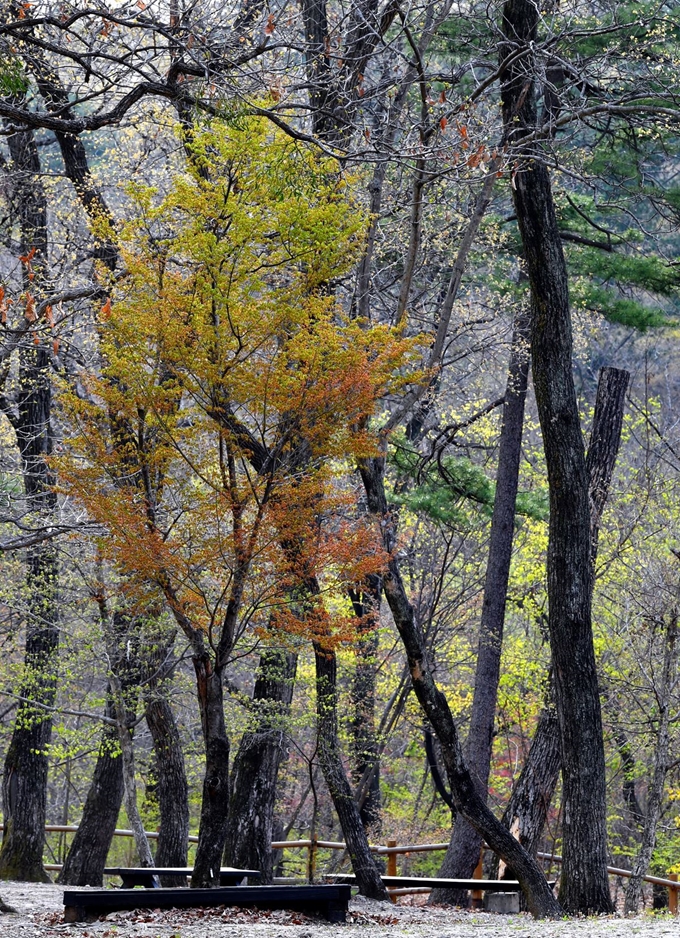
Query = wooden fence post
x=391 y=859
x=673 y=895
x=311 y=859
x=477 y=896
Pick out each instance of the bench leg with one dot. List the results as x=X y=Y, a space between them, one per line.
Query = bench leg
x=335 y=912
x=74 y=913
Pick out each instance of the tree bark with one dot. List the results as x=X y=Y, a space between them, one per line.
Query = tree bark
x=365 y=747
x=86 y=859
x=120 y=709
x=84 y=865
x=584 y=886
x=529 y=803
x=539 y=897
x=365 y=869
x=26 y=763
x=74 y=156
x=462 y=855
x=527 y=811
x=250 y=828
x=173 y=791
x=215 y=803
x=603 y=448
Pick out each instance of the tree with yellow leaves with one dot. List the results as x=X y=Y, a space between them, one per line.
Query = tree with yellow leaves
x=233 y=392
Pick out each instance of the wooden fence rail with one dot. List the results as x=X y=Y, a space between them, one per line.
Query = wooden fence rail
x=391 y=850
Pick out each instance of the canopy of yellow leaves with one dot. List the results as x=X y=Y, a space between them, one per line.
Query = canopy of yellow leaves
x=235 y=390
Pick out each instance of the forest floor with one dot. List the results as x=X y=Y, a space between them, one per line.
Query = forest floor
x=39 y=914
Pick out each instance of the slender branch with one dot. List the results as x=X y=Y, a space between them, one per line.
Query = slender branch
x=97 y=717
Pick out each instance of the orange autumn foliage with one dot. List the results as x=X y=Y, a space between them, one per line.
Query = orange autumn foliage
x=235 y=390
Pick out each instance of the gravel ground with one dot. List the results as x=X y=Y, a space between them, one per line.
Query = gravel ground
x=39 y=915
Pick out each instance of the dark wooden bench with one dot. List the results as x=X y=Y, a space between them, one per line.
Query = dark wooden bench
x=81 y=905
x=148 y=876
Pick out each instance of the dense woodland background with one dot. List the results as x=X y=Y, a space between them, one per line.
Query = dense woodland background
x=275 y=514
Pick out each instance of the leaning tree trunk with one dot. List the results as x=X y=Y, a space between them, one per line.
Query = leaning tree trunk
x=26 y=763
x=435 y=705
x=250 y=828
x=584 y=885
x=367 y=875
x=173 y=791
x=463 y=853
x=86 y=859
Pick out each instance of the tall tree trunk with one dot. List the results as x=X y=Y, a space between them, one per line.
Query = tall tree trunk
x=584 y=886
x=212 y=832
x=466 y=798
x=86 y=859
x=365 y=747
x=250 y=828
x=463 y=853
x=173 y=791
x=365 y=869
x=127 y=754
x=84 y=865
x=527 y=809
x=26 y=763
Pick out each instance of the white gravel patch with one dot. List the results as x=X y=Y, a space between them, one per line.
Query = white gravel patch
x=39 y=911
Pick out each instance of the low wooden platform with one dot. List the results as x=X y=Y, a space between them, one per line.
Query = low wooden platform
x=148 y=876
x=433 y=882
x=88 y=904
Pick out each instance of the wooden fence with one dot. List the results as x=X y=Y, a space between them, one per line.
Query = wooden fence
x=391 y=850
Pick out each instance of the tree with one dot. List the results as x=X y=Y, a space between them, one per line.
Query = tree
x=262 y=335
x=250 y=830
x=433 y=701
x=28 y=407
x=173 y=794
x=584 y=885
x=463 y=853
x=181 y=457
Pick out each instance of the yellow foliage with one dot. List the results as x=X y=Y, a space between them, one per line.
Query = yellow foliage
x=234 y=387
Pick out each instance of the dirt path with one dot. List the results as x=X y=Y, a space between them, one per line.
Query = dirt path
x=39 y=915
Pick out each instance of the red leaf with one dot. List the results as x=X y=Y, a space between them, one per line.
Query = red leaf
x=27 y=258
x=30 y=308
